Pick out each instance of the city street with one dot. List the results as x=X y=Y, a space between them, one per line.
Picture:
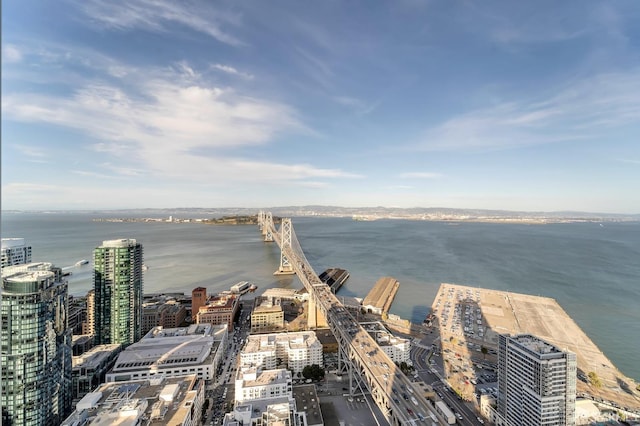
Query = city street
x=222 y=392
x=432 y=373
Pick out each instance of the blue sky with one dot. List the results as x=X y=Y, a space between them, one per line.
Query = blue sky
x=500 y=105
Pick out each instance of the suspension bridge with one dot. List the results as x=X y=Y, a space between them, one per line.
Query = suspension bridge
x=359 y=355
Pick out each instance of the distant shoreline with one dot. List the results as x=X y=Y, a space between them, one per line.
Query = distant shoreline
x=225 y=220
x=252 y=220
x=246 y=215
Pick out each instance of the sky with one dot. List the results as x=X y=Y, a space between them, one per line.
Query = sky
x=527 y=106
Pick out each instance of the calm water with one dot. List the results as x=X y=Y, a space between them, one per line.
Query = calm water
x=593 y=271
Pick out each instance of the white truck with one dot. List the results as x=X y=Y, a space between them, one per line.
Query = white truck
x=446 y=412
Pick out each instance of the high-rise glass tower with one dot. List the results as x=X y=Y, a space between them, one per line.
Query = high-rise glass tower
x=536 y=382
x=36 y=345
x=117 y=282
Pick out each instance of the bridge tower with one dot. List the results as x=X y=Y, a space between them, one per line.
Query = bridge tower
x=267 y=229
x=286 y=268
x=261 y=220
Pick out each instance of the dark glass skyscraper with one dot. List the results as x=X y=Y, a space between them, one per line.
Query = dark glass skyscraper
x=36 y=346
x=117 y=281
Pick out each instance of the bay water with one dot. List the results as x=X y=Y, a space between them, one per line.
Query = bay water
x=591 y=269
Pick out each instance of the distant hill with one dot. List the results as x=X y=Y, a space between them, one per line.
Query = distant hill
x=366 y=213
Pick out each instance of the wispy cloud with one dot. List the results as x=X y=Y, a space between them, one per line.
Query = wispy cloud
x=11 y=53
x=315 y=67
x=420 y=175
x=21 y=188
x=518 y=23
x=582 y=110
x=174 y=124
x=32 y=151
x=154 y=15
x=231 y=70
x=89 y=173
x=123 y=171
x=360 y=107
x=629 y=161
x=398 y=187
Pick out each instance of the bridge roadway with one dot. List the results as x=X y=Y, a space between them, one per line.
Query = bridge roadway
x=391 y=390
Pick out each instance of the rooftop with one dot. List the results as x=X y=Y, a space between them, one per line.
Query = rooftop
x=382 y=293
x=256 y=407
x=162 y=401
x=95 y=356
x=191 y=345
x=260 y=342
x=535 y=344
x=264 y=309
x=307 y=400
x=12 y=242
x=124 y=242
x=290 y=293
x=9 y=271
x=253 y=377
x=381 y=335
x=220 y=302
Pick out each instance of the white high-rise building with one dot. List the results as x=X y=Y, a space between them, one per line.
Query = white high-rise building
x=295 y=350
x=15 y=252
x=536 y=382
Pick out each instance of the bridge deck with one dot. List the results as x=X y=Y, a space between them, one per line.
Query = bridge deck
x=390 y=388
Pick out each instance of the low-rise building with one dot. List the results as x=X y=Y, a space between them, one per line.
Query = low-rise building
x=176 y=352
x=254 y=383
x=300 y=407
x=220 y=309
x=163 y=313
x=397 y=348
x=307 y=401
x=379 y=299
x=154 y=402
x=81 y=343
x=293 y=350
x=175 y=315
x=277 y=411
x=286 y=294
x=328 y=340
x=267 y=315
x=90 y=368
